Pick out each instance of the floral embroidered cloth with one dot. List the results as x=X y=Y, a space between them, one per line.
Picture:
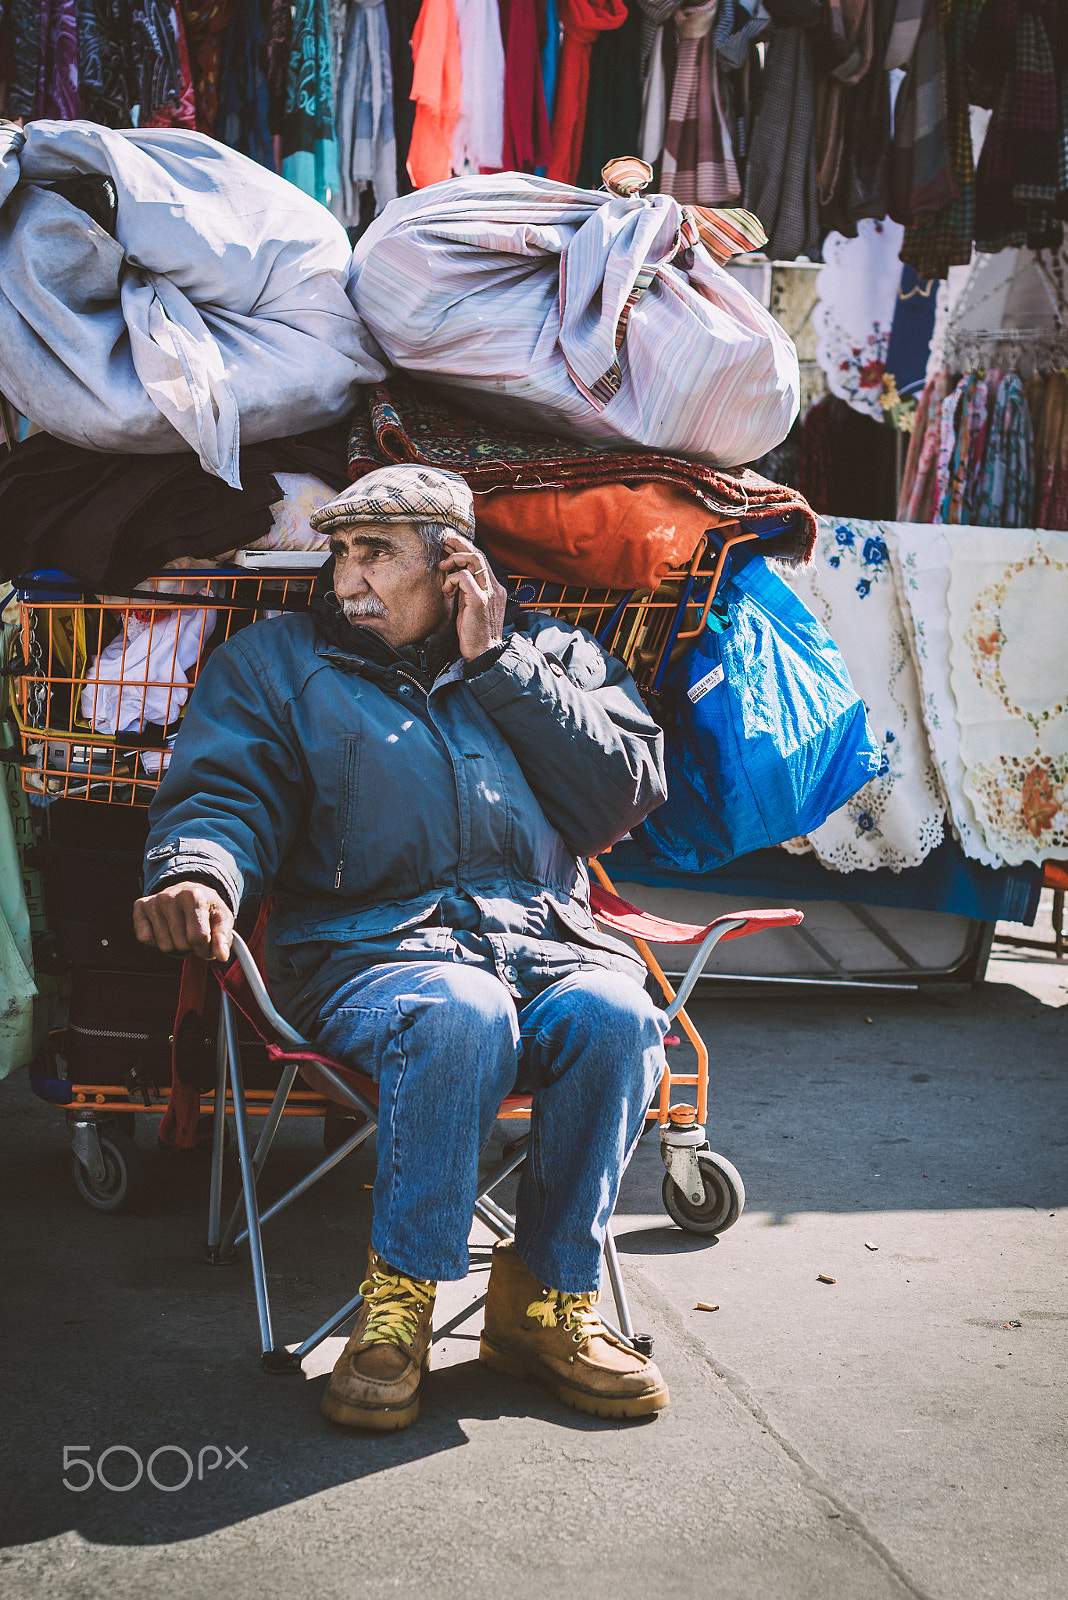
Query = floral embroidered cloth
x=921 y=557
x=898 y=817
x=857 y=298
x=1008 y=665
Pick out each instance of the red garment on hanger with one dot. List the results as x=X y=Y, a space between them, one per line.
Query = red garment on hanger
x=582 y=21
x=527 y=140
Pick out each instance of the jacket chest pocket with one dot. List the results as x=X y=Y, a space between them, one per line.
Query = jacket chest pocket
x=348 y=792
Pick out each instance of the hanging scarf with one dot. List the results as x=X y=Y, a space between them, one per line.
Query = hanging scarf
x=402 y=16
x=944 y=239
x=1005 y=488
x=243 y=104
x=1053 y=468
x=963 y=418
x=527 y=141
x=550 y=51
x=479 y=135
x=366 y=147
x=583 y=20
x=698 y=166
x=613 y=104
x=279 y=29
x=23 y=19
x=163 y=86
x=921 y=171
x=57 y=62
x=655 y=15
x=850 y=28
x=309 y=142
x=105 y=62
x=436 y=92
x=780 y=179
x=205 y=24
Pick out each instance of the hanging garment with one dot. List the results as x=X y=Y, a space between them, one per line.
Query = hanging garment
x=163 y=82
x=916 y=501
x=942 y=239
x=402 y=16
x=550 y=51
x=436 y=92
x=309 y=140
x=920 y=566
x=1053 y=467
x=921 y=169
x=206 y=23
x=582 y=21
x=142 y=675
x=479 y=137
x=613 y=105
x=515 y=294
x=23 y=19
x=898 y=817
x=850 y=35
x=278 y=26
x=780 y=182
x=216 y=314
x=956 y=448
x=57 y=69
x=655 y=16
x=698 y=166
x=862 y=187
x=406 y=421
x=527 y=142
x=110 y=521
x=1018 y=65
x=767 y=735
x=244 y=104
x=1004 y=492
x=367 y=152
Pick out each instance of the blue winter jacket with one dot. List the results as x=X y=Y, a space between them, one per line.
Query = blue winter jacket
x=367 y=806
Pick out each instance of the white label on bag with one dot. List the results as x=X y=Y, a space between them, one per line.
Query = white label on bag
x=702 y=686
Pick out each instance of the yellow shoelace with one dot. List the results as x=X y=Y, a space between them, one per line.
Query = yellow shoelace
x=396 y=1303
x=575 y=1312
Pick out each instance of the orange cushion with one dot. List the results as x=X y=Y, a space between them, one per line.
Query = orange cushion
x=615 y=536
x=1055 y=874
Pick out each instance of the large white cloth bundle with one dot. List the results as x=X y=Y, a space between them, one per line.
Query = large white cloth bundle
x=217 y=315
x=559 y=309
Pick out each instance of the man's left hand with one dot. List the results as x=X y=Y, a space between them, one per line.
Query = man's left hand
x=480 y=599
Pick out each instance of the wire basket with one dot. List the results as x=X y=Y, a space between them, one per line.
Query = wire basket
x=99 y=683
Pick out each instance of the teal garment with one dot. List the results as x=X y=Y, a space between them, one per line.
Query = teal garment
x=550 y=51
x=1005 y=489
x=18 y=991
x=309 y=138
x=614 y=102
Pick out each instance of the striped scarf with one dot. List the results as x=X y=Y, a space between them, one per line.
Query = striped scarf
x=698 y=165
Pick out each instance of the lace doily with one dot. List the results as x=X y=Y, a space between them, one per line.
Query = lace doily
x=857 y=292
x=898 y=817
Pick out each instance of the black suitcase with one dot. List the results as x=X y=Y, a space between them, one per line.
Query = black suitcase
x=92 y=862
x=120 y=1028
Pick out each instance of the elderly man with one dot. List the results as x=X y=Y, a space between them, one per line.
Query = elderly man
x=414 y=775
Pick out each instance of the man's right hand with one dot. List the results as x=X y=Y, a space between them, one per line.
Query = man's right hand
x=186 y=919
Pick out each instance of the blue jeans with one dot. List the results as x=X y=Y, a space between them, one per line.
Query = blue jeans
x=445 y=1043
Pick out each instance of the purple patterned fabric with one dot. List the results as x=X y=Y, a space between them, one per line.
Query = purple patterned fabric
x=57 y=68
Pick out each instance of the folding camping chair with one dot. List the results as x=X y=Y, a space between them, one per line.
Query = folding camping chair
x=683 y=1144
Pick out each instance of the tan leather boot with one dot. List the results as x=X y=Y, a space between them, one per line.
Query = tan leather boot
x=534 y=1332
x=375 y=1383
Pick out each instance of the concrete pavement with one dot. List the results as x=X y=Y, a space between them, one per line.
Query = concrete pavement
x=898 y=1433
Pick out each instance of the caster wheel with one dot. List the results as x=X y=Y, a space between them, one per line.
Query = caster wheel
x=125 y=1175
x=723 y=1201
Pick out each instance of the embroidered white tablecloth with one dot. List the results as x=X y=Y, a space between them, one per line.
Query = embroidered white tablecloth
x=898 y=817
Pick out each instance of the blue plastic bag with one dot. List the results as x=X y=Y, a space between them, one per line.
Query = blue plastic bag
x=769 y=734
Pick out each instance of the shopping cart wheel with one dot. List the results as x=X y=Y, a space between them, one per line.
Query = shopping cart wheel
x=125 y=1175
x=723 y=1201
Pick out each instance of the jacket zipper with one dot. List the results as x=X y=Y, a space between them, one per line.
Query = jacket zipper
x=346 y=798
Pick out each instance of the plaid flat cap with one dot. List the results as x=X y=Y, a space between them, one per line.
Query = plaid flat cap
x=401 y=494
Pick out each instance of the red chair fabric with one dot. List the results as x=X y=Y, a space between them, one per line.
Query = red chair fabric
x=621 y=916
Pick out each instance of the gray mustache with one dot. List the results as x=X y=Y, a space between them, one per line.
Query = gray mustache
x=367 y=605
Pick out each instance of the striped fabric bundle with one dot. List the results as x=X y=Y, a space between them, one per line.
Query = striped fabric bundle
x=564 y=311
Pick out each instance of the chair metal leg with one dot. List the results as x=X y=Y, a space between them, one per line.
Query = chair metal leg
x=248 y=1183
x=218 y=1145
x=266 y=1139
